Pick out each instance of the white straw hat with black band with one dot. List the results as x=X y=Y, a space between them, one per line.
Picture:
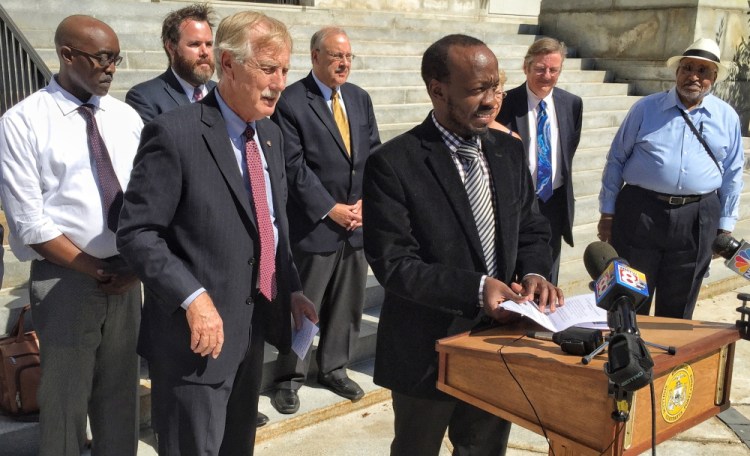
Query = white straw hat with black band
x=703 y=49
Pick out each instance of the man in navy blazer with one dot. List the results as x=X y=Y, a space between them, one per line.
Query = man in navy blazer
x=204 y=226
x=329 y=130
x=425 y=247
x=542 y=66
x=188 y=42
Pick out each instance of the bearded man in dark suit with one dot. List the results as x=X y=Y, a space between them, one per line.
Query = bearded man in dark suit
x=205 y=228
x=564 y=115
x=188 y=42
x=451 y=230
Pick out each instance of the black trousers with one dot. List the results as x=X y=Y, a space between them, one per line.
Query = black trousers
x=556 y=212
x=192 y=419
x=671 y=245
x=420 y=426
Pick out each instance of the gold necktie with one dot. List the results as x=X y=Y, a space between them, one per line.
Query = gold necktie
x=341 y=122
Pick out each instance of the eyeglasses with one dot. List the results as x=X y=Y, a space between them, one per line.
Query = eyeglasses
x=103 y=60
x=540 y=71
x=341 y=56
x=702 y=71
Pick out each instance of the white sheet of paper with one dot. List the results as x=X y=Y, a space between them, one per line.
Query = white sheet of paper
x=303 y=339
x=578 y=310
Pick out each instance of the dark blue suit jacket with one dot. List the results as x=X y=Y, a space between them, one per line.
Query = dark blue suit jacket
x=569 y=112
x=187 y=222
x=319 y=170
x=158 y=95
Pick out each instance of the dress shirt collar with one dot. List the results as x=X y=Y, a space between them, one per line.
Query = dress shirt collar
x=67 y=102
x=534 y=100
x=324 y=89
x=187 y=87
x=452 y=141
x=707 y=104
x=235 y=125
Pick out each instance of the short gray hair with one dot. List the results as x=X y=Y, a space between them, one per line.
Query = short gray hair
x=544 y=46
x=320 y=36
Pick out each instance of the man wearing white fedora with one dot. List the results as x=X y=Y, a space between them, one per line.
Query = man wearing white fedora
x=672 y=181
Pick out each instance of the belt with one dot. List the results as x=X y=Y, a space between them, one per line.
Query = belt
x=678 y=200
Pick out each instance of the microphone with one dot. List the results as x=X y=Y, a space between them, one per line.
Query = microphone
x=614 y=280
x=573 y=340
x=737 y=253
x=618 y=288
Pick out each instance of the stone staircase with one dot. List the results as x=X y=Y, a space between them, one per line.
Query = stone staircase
x=388 y=48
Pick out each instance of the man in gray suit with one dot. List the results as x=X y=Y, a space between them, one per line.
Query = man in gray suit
x=204 y=226
x=188 y=41
x=563 y=117
x=329 y=130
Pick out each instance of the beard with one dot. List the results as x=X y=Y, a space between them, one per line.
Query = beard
x=191 y=72
x=692 y=97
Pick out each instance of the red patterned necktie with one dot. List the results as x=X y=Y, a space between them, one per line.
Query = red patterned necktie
x=197 y=94
x=267 y=269
x=109 y=186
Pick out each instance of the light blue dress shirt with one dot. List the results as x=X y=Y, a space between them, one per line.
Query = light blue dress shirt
x=656 y=149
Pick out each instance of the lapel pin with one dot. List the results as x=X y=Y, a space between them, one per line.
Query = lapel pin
x=268 y=143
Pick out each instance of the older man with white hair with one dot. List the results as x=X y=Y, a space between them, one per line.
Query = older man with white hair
x=673 y=180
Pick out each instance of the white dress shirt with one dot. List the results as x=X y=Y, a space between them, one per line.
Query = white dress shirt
x=47 y=182
x=188 y=88
x=555 y=159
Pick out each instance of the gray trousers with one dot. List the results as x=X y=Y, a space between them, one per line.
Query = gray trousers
x=335 y=283
x=87 y=345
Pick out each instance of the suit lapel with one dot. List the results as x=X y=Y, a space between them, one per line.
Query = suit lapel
x=320 y=108
x=271 y=147
x=174 y=89
x=440 y=163
x=521 y=112
x=220 y=148
x=499 y=170
x=564 y=126
x=353 y=111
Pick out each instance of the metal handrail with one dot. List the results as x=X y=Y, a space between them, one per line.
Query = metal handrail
x=22 y=71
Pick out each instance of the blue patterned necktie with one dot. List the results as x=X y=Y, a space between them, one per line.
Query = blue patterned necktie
x=480 y=200
x=544 y=155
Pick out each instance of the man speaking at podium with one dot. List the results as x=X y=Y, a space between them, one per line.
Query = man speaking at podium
x=450 y=220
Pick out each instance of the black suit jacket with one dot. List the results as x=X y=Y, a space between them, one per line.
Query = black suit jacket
x=319 y=170
x=161 y=94
x=187 y=222
x=423 y=246
x=569 y=111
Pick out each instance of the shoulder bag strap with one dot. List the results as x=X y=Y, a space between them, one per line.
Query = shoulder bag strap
x=700 y=138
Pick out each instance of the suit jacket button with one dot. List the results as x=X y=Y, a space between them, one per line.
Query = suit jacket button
x=251 y=261
x=249 y=301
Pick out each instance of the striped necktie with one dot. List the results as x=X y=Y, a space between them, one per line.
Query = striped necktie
x=544 y=154
x=480 y=200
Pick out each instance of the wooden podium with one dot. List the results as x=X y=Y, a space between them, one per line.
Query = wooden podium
x=571 y=399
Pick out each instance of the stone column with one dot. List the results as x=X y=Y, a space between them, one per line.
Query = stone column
x=634 y=38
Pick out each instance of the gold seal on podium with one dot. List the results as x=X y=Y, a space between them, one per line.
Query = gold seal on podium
x=677 y=392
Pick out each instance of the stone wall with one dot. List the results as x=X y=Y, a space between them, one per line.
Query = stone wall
x=633 y=38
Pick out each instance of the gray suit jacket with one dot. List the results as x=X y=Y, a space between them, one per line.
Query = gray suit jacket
x=187 y=222
x=158 y=95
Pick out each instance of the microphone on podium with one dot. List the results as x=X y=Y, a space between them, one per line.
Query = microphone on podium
x=736 y=253
x=574 y=341
x=618 y=289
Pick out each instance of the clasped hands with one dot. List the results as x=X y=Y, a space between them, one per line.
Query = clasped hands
x=532 y=288
x=348 y=216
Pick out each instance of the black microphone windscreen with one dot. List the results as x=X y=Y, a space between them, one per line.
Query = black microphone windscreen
x=725 y=245
x=597 y=256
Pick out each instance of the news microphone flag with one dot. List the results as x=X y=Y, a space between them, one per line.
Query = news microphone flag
x=619 y=273
x=740 y=261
